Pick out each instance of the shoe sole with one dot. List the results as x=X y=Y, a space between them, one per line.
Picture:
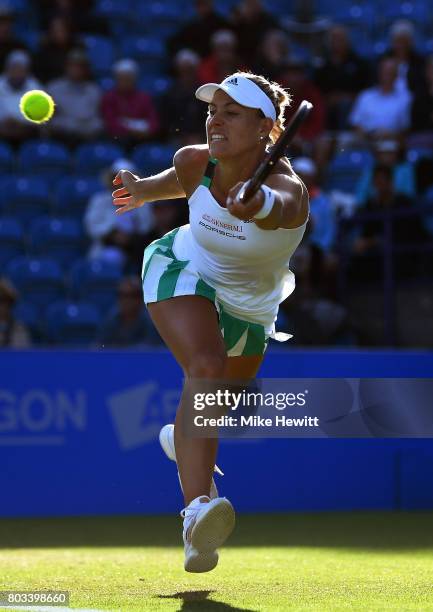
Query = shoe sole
x=213 y=527
x=203 y=562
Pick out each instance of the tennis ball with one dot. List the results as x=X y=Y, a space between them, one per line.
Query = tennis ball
x=37 y=106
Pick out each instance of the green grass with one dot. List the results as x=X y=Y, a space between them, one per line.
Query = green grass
x=323 y=562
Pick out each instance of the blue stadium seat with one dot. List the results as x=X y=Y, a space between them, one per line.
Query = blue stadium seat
x=150 y=158
x=101 y=53
x=346 y=168
x=60 y=238
x=73 y=193
x=92 y=158
x=358 y=13
x=154 y=85
x=412 y=10
x=11 y=240
x=25 y=197
x=38 y=279
x=29 y=314
x=72 y=323
x=112 y=9
x=44 y=157
x=95 y=281
x=163 y=11
x=143 y=48
x=415 y=154
x=6 y=157
x=18 y=7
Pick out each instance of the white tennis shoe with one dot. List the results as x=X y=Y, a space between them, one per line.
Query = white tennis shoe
x=166 y=439
x=207 y=523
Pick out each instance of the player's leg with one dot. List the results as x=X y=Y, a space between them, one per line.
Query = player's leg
x=189 y=327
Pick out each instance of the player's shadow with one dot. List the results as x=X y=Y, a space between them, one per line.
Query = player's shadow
x=198 y=600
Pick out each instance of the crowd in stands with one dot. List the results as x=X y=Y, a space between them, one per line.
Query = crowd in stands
x=367 y=146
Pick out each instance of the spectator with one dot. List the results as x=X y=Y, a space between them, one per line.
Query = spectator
x=222 y=61
x=8 y=41
x=382 y=110
x=422 y=110
x=340 y=76
x=250 y=22
x=14 y=83
x=77 y=99
x=321 y=262
x=129 y=323
x=388 y=153
x=410 y=64
x=295 y=78
x=58 y=42
x=182 y=116
x=129 y=114
x=368 y=246
x=272 y=54
x=13 y=334
x=167 y=215
x=117 y=238
x=197 y=33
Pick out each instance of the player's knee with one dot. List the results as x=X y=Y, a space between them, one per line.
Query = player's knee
x=207 y=365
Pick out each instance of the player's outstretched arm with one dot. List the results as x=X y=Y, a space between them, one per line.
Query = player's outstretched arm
x=133 y=192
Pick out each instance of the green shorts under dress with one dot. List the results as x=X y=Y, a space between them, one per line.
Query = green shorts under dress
x=164 y=276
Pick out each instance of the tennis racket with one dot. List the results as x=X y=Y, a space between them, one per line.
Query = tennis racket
x=252 y=186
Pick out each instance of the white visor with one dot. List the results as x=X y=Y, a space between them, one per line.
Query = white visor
x=243 y=91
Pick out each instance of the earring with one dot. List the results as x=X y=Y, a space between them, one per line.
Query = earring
x=262 y=137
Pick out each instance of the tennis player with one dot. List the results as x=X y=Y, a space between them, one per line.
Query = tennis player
x=213 y=287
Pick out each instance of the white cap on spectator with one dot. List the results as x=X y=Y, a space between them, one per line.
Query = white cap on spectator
x=18 y=57
x=402 y=26
x=304 y=165
x=186 y=55
x=122 y=164
x=223 y=37
x=129 y=66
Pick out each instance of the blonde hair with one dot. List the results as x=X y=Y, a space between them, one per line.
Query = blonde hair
x=279 y=97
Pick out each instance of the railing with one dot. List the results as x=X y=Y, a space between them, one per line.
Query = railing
x=389 y=250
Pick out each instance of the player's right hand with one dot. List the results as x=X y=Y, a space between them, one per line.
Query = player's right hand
x=126 y=197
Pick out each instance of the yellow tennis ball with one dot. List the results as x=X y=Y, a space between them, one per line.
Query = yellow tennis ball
x=37 y=106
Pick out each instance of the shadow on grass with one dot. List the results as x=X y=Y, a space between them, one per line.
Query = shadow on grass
x=360 y=530
x=198 y=600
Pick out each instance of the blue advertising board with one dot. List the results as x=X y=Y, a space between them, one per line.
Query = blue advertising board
x=79 y=429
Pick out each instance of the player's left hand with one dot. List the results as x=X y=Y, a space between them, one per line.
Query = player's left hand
x=244 y=211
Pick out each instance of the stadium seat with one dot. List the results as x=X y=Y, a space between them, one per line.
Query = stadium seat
x=11 y=240
x=112 y=9
x=28 y=313
x=73 y=193
x=60 y=238
x=346 y=168
x=18 y=7
x=44 y=157
x=25 y=197
x=154 y=85
x=92 y=158
x=143 y=48
x=6 y=157
x=151 y=158
x=415 y=154
x=38 y=279
x=71 y=323
x=101 y=53
x=96 y=281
